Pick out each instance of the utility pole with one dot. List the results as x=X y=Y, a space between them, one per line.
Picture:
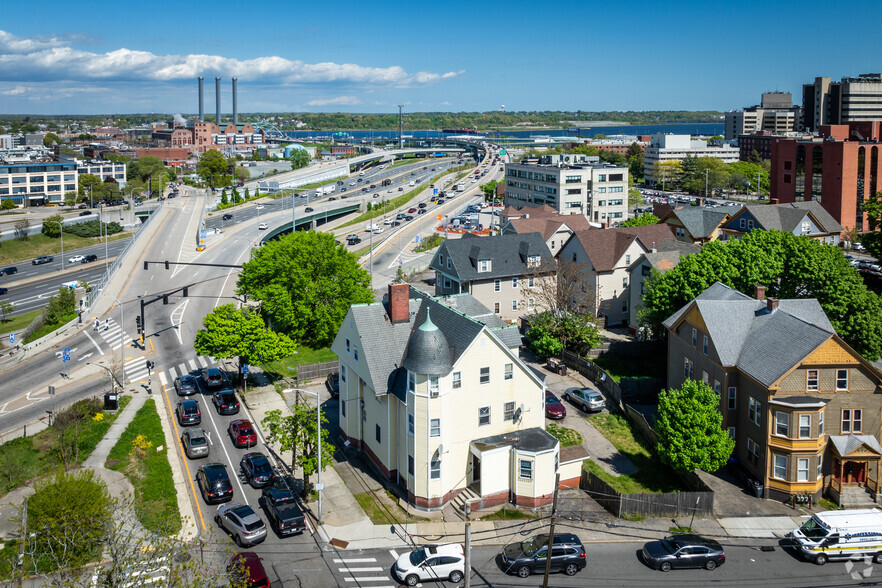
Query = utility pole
x=706 y=173
x=551 y=532
x=468 y=555
x=400 y=136
x=24 y=539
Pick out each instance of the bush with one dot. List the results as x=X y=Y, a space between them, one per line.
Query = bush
x=93 y=228
x=543 y=343
x=60 y=305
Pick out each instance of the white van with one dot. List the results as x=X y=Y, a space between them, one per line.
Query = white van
x=840 y=534
x=412 y=183
x=369 y=228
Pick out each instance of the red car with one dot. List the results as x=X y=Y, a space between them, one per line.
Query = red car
x=242 y=433
x=554 y=408
x=412 y=210
x=246 y=567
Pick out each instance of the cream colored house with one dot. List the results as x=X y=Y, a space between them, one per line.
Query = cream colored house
x=434 y=394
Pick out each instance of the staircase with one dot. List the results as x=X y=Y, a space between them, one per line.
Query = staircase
x=857 y=497
x=467 y=495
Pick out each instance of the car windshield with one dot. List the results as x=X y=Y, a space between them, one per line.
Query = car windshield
x=262 y=467
x=197 y=441
x=417 y=557
x=813 y=530
x=228 y=398
x=670 y=544
x=533 y=544
x=552 y=400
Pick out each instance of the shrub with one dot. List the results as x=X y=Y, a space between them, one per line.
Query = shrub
x=92 y=228
x=543 y=343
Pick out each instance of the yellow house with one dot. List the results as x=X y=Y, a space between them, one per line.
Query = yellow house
x=434 y=394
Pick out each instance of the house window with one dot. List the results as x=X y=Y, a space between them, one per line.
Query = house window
x=410 y=464
x=704 y=377
x=497 y=285
x=805 y=426
x=411 y=382
x=627 y=260
x=484 y=265
x=531 y=303
x=457 y=380
x=574 y=256
x=363 y=415
x=842 y=379
x=496 y=307
x=434 y=427
x=820 y=466
x=751 y=409
x=514 y=282
x=435 y=470
x=802 y=469
x=533 y=261
x=485 y=375
x=782 y=424
x=410 y=426
x=694 y=337
x=525 y=471
x=852 y=420
x=753 y=451
x=343 y=408
x=377 y=431
x=434 y=386
x=514 y=304
x=509 y=371
x=343 y=373
x=733 y=397
x=780 y=469
x=731 y=431
x=743 y=223
x=347 y=345
x=449 y=263
x=508 y=411
x=686 y=368
x=531 y=281
x=811 y=380
x=717 y=387
x=447 y=283
x=704 y=345
x=355 y=352
x=820 y=423
x=749 y=224
x=483 y=416
x=441 y=259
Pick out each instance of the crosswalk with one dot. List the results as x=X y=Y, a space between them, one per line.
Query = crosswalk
x=364 y=571
x=167 y=376
x=113 y=334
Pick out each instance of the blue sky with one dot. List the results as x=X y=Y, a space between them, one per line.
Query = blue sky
x=115 y=57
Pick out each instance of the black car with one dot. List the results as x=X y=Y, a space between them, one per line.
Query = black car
x=188 y=413
x=86 y=213
x=282 y=511
x=214 y=483
x=214 y=378
x=225 y=402
x=683 y=551
x=3 y=291
x=8 y=271
x=227 y=217
x=333 y=384
x=89 y=258
x=83 y=206
x=308 y=209
x=42 y=259
x=257 y=469
x=185 y=385
x=528 y=557
x=353 y=240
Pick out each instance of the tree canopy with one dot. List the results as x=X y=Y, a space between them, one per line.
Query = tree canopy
x=873 y=240
x=298 y=433
x=212 y=166
x=789 y=266
x=647 y=218
x=689 y=429
x=299 y=158
x=306 y=282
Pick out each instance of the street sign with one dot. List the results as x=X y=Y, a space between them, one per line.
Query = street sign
x=244 y=368
x=11 y=338
x=417 y=239
x=440 y=217
x=434 y=190
x=318 y=486
x=65 y=355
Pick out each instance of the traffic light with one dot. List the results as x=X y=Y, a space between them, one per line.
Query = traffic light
x=166 y=264
x=138 y=320
x=145 y=264
x=165 y=298
x=186 y=289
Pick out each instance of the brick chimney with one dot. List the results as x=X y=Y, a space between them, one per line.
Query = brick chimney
x=399 y=303
x=759 y=292
x=772 y=304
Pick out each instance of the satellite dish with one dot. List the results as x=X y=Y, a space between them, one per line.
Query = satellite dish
x=440 y=448
x=516 y=417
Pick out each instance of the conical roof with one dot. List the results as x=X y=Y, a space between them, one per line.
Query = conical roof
x=427 y=351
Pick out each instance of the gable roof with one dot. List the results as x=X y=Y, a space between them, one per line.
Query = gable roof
x=787 y=216
x=508 y=255
x=605 y=247
x=667 y=255
x=699 y=221
x=548 y=226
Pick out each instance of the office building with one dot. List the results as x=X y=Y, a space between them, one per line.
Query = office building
x=775 y=114
x=667 y=147
x=852 y=99
x=37 y=179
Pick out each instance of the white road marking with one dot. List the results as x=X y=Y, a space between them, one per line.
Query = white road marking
x=202 y=361
x=356 y=560
x=366 y=579
x=163 y=381
x=348 y=570
x=98 y=347
x=183 y=369
x=193 y=365
x=394 y=554
x=172 y=373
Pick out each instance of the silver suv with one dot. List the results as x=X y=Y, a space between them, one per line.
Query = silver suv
x=585 y=398
x=240 y=521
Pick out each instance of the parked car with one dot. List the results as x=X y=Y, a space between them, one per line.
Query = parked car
x=214 y=378
x=195 y=443
x=214 y=483
x=83 y=206
x=585 y=399
x=188 y=413
x=282 y=510
x=554 y=408
x=86 y=213
x=8 y=271
x=227 y=216
x=332 y=382
x=225 y=402
x=76 y=259
x=257 y=469
x=240 y=521
x=242 y=433
x=89 y=258
x=185 y=385
x=683 y=551
x=42 y=259
x=431 y=563
x=245 y=569
x=528 y=556
x=3 y=291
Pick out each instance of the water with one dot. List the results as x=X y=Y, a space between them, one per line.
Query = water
x=707 y=129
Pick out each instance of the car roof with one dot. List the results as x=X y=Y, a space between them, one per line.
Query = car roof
x=189 y=403
x=243 y=511
x=254 y=455
x=194 y=432
x=214 y=469
x=693 y=539
x=213 y=371
x=445 y=549
x=187 y=378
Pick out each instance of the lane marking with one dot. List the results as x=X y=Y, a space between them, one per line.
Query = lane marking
x=353 y=571
x=394 y=554
x=98 y=347
x=355 y=560
x=184 y=458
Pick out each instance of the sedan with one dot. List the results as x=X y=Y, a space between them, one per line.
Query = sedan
x=411 y=210
x=227 y=217
x=308 y=209
x=188 y=413
x=86 y=213
x=185 y=385
x=332 y=382
x=89 y=258
x=245 y=569
x=242 y=433
x=259 y=207
x=262 y=227
x=257 y=469
x=225 y=402
x=42 y=259
x=195 y=443
x=585 y=399
x=3 y=291
x=214 y=483
x=76 y=259
x=240 y=521
x=554 y=408
x=683 y=551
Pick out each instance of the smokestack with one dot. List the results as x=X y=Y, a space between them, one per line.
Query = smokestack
x=217 y=98
x=235 y=103
x=201 y=103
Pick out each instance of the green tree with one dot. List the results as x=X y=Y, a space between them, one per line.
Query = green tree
x=89 y=185
x=212 y=166
x=667 y=173
x=145 y=168
x=7 y=204
x=231 y=332
x=489 y=190
x=6 y=308
x=635 y=161
x=51 y=226
x=298 y=433
x=647 y=218
x=743 y=171
x=689 y=429
x=224 y=200
x=299 y=158
x=51 y=139
x=237 y=199
x=306 y=281
x=872 y=241
x=542 y=342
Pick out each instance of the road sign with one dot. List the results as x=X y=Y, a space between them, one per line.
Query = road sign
x=417 y=239
x=244 y=368
x=65 y=355
x=11 y=338
x=440 y=217
x=434 y=190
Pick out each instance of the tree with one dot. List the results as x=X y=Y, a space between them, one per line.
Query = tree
x=89 y=185
x=237 y=199
x=6 y=308
x=667 y=173
x=224 y=200
x=298 y=433
x=50 y=139
x=635 y=198
x=51 y=226
x=872 y=241
x=7 y=204
x=489 y=190
x=542 y=342
x=231 y=332
x=647 y=218
x=635 y=160
x=689 y=429
x=212 y=166
x=306 y=282
x=145 y=168
x=20 y=228
x=299 y=158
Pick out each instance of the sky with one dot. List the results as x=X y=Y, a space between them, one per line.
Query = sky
x=90 y=57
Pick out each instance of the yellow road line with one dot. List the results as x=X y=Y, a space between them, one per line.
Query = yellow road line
x=184 y=457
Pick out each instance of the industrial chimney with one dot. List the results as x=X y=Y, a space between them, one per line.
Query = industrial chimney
x=217 y=98
x=235 y=102
x=201 y=104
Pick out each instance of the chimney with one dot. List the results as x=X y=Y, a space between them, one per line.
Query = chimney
x=654 y=250
x=217 y=98
x=235 y=102
x=772 y=304
x=201 y=102
x=759 y=292
x=399 y=303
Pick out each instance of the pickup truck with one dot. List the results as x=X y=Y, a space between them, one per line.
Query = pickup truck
x=282 y=510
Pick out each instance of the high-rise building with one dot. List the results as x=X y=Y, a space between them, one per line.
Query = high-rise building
x=851 y=99
x=775 y=114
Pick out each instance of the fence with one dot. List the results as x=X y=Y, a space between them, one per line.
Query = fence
x=639 y=420
x=314 y=371
x=628 y=349
x=647 y=505
x=604 y=382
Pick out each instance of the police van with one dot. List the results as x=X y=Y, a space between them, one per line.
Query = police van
x=840 y=534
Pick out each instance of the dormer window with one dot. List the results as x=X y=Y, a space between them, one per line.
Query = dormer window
x=533 y=261
x=484 y=265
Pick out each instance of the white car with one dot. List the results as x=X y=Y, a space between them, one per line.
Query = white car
x=262 y=227
x=76 y=259
x=431 y=563
x=259 y=207
x=388 y=220
x=378 y=230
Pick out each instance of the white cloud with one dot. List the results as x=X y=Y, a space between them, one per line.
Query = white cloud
x=9 y=43
x=339 y=101
x=16 y=91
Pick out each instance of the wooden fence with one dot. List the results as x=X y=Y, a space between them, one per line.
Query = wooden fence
x=647 y=505
x=604 y=382
x=639 y=421
x=315 y=371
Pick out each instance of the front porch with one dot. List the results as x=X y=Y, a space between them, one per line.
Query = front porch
x=854 y=478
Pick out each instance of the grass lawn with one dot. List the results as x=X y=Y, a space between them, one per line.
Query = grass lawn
x=382 y=508
x=18 y=251
x=629 y=367
x=652 y=476
x=508 y=514
x=156 y=502
x=49 y=327
x=430 y=242
x=567 y=437
x=304 y=355
x=26 y=458
x=18 y=322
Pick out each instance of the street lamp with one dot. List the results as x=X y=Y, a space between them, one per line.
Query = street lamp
x=103 y=224
x=318 y=415
x=61 y=227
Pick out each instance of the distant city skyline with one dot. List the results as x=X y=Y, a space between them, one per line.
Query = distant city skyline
x=88 y=58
